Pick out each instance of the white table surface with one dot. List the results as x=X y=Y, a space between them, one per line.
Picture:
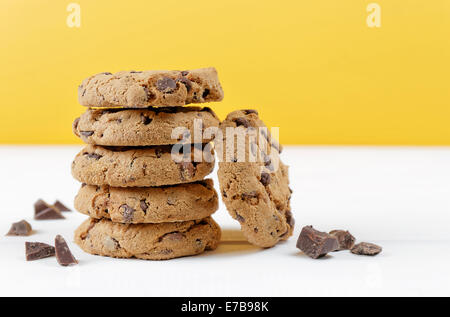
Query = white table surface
x=396 y=197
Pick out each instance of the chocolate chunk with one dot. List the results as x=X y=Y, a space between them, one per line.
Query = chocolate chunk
x=135 y=72
x=242 y=121
x=75 y=125
x=365 y=248
x=187 y=170
x=166 y=85
x=93 y=155
x=205 y=93
x=127 y=212
x=184 y=73
x=60 y=206
x=50 y=213
x=63 y=254
x=39 y=206
x=252 y=197
x=158 y=152
x=86 y=133
x=145 y=120
x=21 y=228
x=44 y=211
x=111 y=243
x=290 y=219
x=171 y=201
x=265 y=178
x=148 y=94
x=174 y=236
x=240 y=218
x=316 y=244
x=186 y=82
x=345 y=239
x=249 y=111
x=38 y=250
x=143 y=205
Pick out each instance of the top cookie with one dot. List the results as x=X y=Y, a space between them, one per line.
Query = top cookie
x=255 y=183
x=142 y=89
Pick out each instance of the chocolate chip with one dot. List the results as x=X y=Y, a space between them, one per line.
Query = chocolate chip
x=166 y=85
x=205 y=93
x=135 y=72
x=174 y=236
x=60 y=206
x=316 y=244
x=127 y=212
x=187 y=170
x=345 y=239
x=93 y=155
x=148 y=94
x=145 y=120
x=242 y=121
x=21 y=228
x=249 y=195
x=158 y=152
x=143 y=205
x=265 y=178
x=186 y=82
x=38 y=250
x=171 y=201
x=184 y=73
x=62 y=251
x=240 y=218
x=250 y=111
x=290 y=219
x=365 y=248
x=86 y=133
x=252 y=198
x=106 y=73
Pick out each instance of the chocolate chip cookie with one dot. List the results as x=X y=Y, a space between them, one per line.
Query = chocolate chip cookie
x=148 y=204
x=161 y=241
x=142 y=89
x=255 y=191
x=141 y=127
x=141 y=166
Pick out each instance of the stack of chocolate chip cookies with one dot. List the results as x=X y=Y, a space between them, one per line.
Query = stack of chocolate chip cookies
x=143 y=182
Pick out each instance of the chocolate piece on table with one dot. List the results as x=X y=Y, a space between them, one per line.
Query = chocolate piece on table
x=345 y=239
x=60 y=206
x=365 y=248
x=63 y=254
x=316 y=244
x=49 y=214
x=21 y=228
x=38 y=250
x=44 y=211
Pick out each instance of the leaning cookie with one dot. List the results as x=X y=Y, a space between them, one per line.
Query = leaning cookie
x=141 y=127
x=141 y=166
x=148 y=241
x=256 y=192
x=182 y=202
x=142 y=89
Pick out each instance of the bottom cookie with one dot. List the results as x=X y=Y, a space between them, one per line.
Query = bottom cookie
x=161 y=241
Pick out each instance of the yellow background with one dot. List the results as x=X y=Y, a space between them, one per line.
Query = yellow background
x=313 y=68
